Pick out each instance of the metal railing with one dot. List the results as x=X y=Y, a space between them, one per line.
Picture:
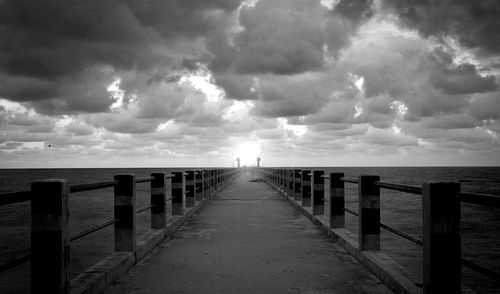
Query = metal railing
x=314 y=189
x=52 y=204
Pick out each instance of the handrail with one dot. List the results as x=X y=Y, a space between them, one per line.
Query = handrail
x=93 y=229
x=479 y=199
x=14 y=197
x=25 y=195
x=488 y=200
x=15 y=262
x=349 y=180
x=144 y=179
x=400 y=187
x=213 y=181
x=91 y=186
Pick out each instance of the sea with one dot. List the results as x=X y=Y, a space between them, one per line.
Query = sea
x=480 y=225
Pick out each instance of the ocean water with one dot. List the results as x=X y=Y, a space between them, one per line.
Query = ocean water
x=480 y=225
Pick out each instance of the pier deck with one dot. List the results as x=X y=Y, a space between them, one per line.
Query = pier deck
x=248 y=240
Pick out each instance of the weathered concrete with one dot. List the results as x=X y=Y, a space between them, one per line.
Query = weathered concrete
x=249 y=240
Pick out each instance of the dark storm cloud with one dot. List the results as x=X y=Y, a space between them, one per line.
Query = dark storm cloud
x=49 y=48
x=474 y=23
x=458 y=79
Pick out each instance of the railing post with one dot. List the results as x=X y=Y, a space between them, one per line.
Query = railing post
x=306 y=188
x=190 y=189
x=369 y=213
x=287 y=183
x=337 y=201
x=50 y=250
x=124 y=211
x=291 y=178
x=199 y=185
x=206 y=184
x=297 y=194
x=158 y=200
x=178 y=193
x=441 y=237
x=318 y=193
x=283 y=182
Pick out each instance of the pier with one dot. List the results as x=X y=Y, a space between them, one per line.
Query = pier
x=246 y=230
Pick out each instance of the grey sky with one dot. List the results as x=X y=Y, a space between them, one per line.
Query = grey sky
x=298 y=82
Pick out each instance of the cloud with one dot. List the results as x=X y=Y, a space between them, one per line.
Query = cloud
x=473 y=23
x=62 y=56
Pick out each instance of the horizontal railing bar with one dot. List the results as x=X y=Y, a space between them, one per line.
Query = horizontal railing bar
x=400 y=187
x=351 y=211
x=479 y=199
x=480 y=269
x=170 y=176
x=91 y=186
x=144 y=179
x=402 y=234
x=15 y=262
x=349 y=180
x=92 y=229
x=143 y=209
x=14 y=197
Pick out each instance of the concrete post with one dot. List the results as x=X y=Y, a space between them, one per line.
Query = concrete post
x=283 y=181
x=158 y=200
x=369 y=213
x=190 y=189
x=206 y=184
x=178 y=193
x=337 y=201
x=50 y=250
x=286 y=183
x=318 y=193
x=441 y=237
x=212 y=183
x=199 y=185
x=306 y=188
x=124 y=211
x=297 y=193
x=218 y=172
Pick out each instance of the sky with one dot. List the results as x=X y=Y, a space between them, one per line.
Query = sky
x=186 y=83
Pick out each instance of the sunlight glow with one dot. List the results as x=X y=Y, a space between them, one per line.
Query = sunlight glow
x=248 y=152
x=297 y=130
x=116 y=93
x=202 y=80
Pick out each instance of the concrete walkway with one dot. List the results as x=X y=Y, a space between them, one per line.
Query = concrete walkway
x=249 y=240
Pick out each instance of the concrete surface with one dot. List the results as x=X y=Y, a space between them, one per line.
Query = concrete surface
x=249 y=240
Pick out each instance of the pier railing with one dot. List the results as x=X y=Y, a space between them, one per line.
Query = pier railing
x=51 y=238
x=324 y=195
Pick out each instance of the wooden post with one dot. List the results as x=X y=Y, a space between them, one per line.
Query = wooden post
x=199 y=185
x=50 y=250
x=158 y=200
x=337 y=201
x=190 y=189
x=369 y=213
x=291 y=178
x=124 y=211
x=297 y=193
x=178 y=193
x=306 y=188
x=442 y=238
x=318 y=193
